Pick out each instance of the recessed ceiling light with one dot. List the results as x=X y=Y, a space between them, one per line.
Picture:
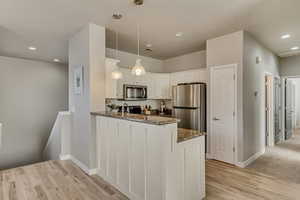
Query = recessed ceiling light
x=32 y=48
x=286 y=36
x=56 y=60
x=295 y=48
x=148 y=45
x=179 y=34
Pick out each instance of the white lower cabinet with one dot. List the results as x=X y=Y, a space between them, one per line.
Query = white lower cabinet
x=145 y=162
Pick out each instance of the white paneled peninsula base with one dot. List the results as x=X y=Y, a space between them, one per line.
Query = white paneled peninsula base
x=141 y=157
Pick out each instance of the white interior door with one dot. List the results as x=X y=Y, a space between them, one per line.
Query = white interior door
x=223 y=97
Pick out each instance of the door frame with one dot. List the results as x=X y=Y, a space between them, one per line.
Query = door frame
x=283 y=78
x=270 y=139
x=210 y=121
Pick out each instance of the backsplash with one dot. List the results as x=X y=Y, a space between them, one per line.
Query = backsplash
x=155 y=104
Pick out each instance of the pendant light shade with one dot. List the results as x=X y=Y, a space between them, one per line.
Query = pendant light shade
x=138 y=69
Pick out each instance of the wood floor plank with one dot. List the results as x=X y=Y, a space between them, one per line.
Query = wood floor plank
x=63 y=180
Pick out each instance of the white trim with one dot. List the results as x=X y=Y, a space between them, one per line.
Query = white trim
x=65 y=157
x=235 y=136
x=251 y=159
x=79 y=164
x=271 y=138
x=283 y=107
x=93 y=171
x=57 y=124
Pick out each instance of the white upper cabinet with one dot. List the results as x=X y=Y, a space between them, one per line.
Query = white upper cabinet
x=198 y=75
x=110 y=83
x=162 y=86
x=159 y=84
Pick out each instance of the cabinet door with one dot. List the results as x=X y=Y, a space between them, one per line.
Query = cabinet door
x=162 y=86
x=198 y=75
x=110 y=83
x=150 y=77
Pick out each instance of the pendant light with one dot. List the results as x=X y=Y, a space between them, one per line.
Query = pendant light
x=138 y=69
x=116 y=74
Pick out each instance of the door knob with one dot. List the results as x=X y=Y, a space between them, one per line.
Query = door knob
x=215 y=119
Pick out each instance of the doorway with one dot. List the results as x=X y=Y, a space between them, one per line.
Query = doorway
x=223 y=113
x=283 y=159
x=291 y=99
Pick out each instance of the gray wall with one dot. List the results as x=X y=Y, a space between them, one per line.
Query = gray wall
x=253 y=81
x=226 y=50
x=31 y=95
x=86 y=48
x=190 y=61
x=290 y=66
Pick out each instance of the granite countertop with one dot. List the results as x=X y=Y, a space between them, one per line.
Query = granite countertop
x=187 y=134
x=148 y=119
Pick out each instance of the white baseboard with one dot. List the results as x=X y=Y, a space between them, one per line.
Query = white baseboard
x=79 y=164
x=251 y=159
x=65 y=157
x=93 y=171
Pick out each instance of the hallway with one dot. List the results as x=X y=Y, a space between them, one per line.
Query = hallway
x=281 y=161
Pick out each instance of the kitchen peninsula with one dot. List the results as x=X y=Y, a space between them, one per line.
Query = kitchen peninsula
x=148 y=158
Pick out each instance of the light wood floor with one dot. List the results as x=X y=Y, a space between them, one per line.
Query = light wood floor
x=281 y=160
x=224 y=181
x=54 y=180
x=62 y=180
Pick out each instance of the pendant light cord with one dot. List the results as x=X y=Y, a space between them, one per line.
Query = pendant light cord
x=117 y=44
x=138 y=35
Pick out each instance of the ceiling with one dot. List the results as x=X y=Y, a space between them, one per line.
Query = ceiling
x=49 y=24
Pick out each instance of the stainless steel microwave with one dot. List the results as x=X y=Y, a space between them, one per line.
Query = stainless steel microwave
x=134 y=92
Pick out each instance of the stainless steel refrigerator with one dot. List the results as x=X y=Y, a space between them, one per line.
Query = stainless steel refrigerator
x=189 y=105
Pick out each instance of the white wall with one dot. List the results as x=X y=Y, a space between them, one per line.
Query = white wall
x=195 y=60
x=86 y=48
x=241 y=48
x=226 y=50
x=190 y=61
x=31 y=95
x=290 y=66
x=127 y=60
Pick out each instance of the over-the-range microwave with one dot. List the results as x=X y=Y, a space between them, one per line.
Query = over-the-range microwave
x=134 y=92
